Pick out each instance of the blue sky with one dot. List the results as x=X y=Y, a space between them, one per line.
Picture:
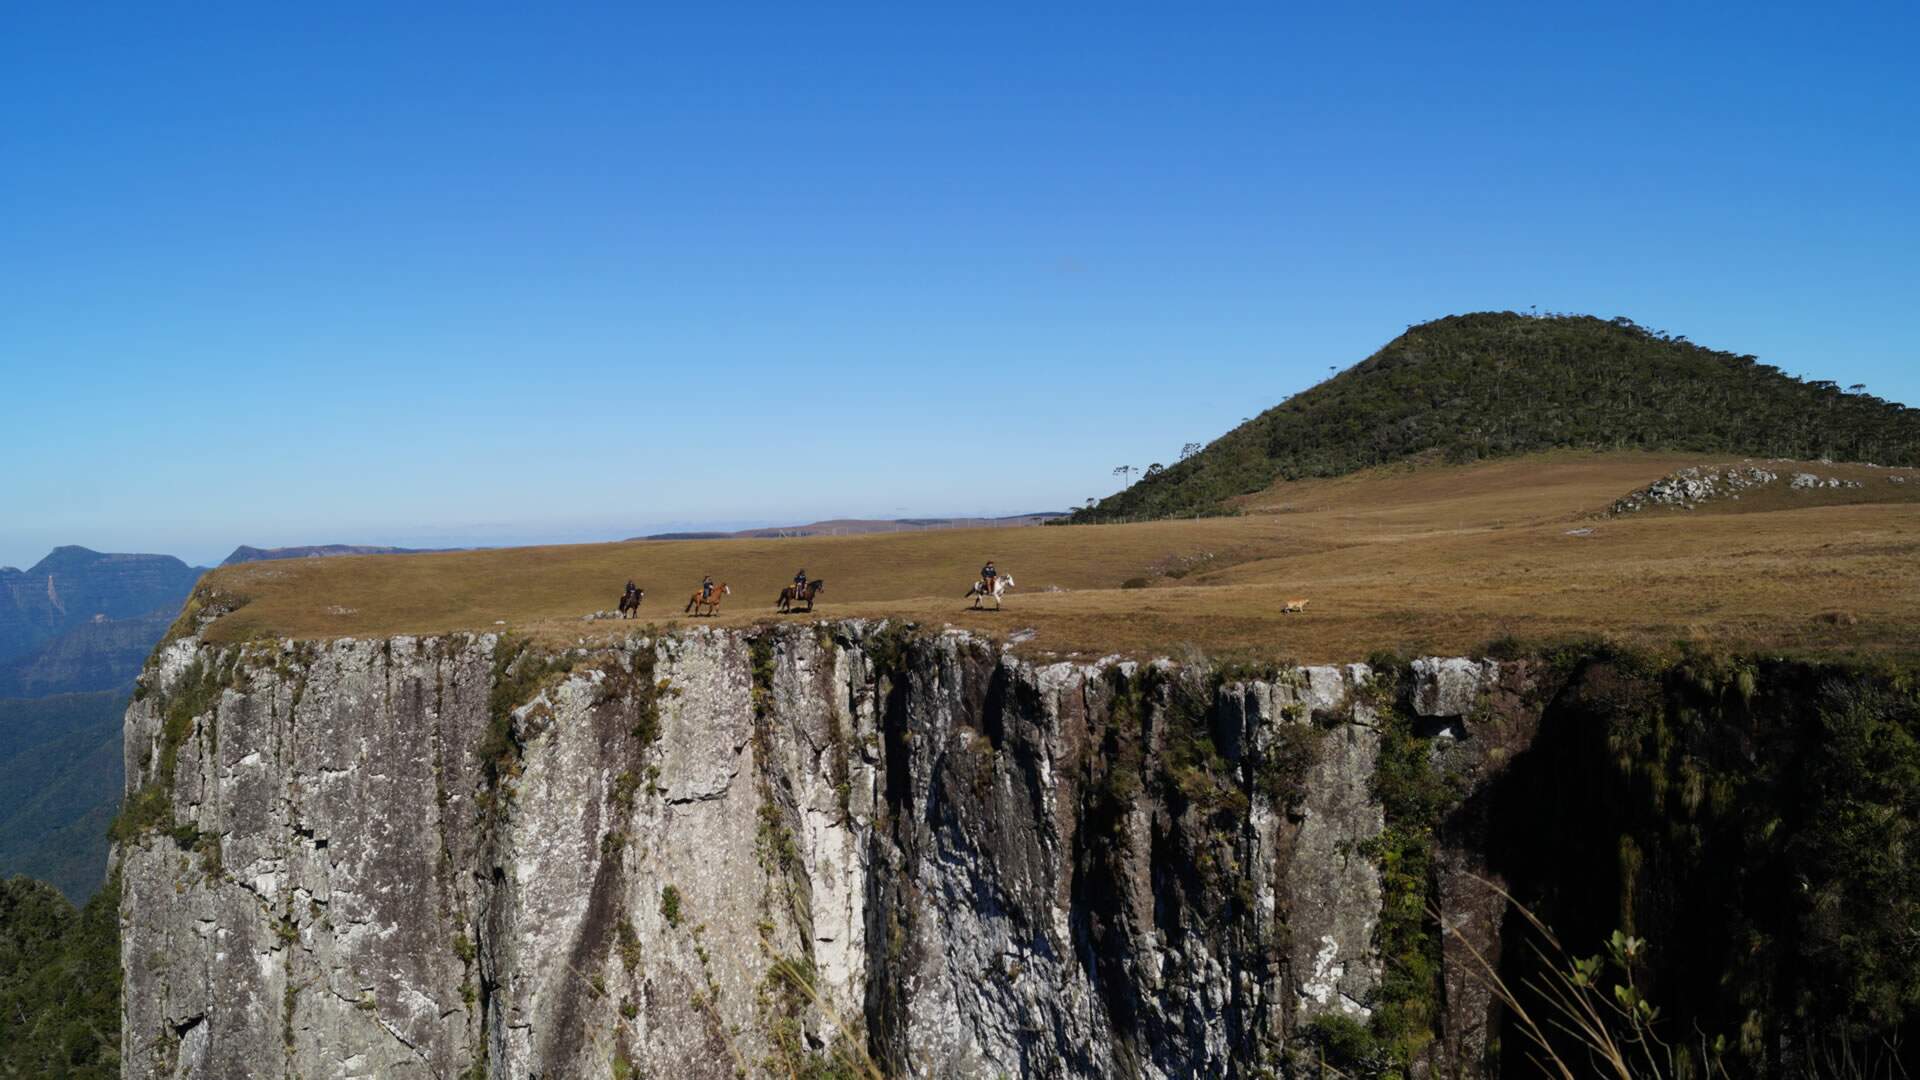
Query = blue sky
x=279 y=274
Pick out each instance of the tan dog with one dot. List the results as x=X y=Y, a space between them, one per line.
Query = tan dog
x=1294 y=607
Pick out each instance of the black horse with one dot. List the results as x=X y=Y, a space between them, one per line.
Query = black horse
x=792 y=595
x=630 y=602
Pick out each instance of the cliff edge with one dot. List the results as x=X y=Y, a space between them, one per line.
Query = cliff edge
x=721 y=851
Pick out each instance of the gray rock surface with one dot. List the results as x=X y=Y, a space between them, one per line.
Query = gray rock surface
x=1808 y=481
x=1450 y=686
x=1689 y=487
x=738 y=851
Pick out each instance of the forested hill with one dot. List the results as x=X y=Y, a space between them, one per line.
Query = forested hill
x=1498 y=383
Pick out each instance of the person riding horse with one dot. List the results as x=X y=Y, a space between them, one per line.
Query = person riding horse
x=800 y=583
x=706 y=587
x=991 y=584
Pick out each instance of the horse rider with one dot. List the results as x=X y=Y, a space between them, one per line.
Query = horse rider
x=631 y=589
x=706 y=587
x=987 y=574
x=800 y=583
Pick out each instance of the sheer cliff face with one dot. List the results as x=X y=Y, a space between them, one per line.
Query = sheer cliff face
x=724 y=852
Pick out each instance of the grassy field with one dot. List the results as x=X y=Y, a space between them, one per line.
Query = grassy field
x=1434 y=558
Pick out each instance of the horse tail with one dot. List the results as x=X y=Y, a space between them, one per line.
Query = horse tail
x=690 y=604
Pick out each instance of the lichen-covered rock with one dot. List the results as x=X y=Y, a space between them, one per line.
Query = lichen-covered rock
x=744 y=851
x=1450 y=686
x=297 y=900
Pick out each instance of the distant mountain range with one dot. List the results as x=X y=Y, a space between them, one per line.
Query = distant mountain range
x=245 y=554
x=855 y=526
x=74 y=631
x=82 y=603
x=99 y=654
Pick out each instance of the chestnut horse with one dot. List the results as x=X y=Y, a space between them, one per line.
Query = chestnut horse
x=791 y=595
x=700 y=600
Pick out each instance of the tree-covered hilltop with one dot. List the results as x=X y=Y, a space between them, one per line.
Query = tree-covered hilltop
x=1499 y=383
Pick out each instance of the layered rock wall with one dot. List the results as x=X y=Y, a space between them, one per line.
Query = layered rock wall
x=726 y=852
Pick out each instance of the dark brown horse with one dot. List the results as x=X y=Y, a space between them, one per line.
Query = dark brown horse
x=630 y=602
x=792 y=595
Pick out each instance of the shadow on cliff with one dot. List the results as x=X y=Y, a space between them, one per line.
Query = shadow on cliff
x=1697 y=806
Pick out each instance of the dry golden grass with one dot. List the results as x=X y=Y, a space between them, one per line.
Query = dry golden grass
x=1431 y=558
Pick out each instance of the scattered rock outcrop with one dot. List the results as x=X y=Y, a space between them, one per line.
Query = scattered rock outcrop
x=1692 y=486
x=1808 y=481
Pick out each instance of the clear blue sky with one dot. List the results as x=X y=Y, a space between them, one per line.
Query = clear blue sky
x=277 y=273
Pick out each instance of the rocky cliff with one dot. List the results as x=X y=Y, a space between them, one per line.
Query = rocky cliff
x=789 y=852
x=696 y=854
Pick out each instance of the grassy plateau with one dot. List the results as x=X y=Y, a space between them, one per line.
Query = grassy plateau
x=1411 y=556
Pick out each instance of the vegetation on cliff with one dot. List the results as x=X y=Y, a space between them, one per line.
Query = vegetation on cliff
x=1758 y=820
x=1748 y=828
x=1498 y=383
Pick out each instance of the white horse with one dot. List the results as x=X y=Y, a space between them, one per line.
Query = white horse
x=979 y=591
